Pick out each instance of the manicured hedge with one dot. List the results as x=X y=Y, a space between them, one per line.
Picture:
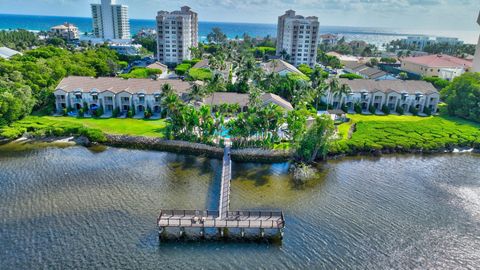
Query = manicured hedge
x=351 y=76
x=182 y=69
x=200 y=74
x=141 y=73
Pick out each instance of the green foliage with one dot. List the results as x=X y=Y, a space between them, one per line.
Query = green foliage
x=147 y=42
x=141 y=73
x=16 y=99
x=42 y=69
x=260 y=52
x=372 y=109
x=413 y=110
x=463 y=96
x=385 y=109
x=327 y=60
x=297 y=77
x=403 y=75
x=182 y=69
x=200 y=74
x=357 y=108
x=42 y=127
x=427 y=111
x=19 y=40
x=130 y=113
x=439 y=83
x=192 y=62
x=388 y=60
x=315 y=142
x=217 y=36
x=412 y=133
x=305 y=69
x=351 y=76
x=400 y=110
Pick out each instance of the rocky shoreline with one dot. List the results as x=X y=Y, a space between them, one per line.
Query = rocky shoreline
x=198 y=149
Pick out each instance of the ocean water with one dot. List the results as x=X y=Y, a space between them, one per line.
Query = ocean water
x=372 y=35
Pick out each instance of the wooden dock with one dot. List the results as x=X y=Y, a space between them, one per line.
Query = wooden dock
x=223 y=219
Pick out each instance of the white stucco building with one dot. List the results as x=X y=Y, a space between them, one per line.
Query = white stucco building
x=177 y=32
x=134 y=95
x=393 y=94
x=298 y=37
x=67 y=31
x=110 y=20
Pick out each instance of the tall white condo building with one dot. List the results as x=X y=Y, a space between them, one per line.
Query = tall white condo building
x=297 y=38
x=177 y=32
x=110 y=20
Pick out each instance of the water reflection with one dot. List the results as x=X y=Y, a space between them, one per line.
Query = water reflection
x=74 y=208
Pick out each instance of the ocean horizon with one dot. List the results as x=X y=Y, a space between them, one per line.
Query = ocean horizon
x=374 y=35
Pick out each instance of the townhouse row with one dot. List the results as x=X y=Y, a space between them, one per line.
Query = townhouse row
x=394 y=94
x=134 y=95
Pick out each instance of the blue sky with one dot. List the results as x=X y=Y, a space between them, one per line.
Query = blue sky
x=407 y=14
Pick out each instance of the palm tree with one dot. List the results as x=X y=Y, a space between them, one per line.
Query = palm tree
x=332 y=89
x=343 y=90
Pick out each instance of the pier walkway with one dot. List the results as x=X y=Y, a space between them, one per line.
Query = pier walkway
x=223 y=218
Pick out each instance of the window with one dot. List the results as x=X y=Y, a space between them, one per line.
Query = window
x=95 y=98
x=141 y=99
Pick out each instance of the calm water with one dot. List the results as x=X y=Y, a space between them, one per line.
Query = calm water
x=372 y=35
x=72 y=208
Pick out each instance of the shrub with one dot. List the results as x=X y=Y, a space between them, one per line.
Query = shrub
x=182 y=69
x=372 y=109
x=344 y=107
x=130 y=113
x=427 y=111
x=351 y=76
x=81 y=112
x=413 y=110
x=64 y=112
x=141 y=73
x=385 y=109
x=191 y=62
x=400 y=110
x=357 y=108
x=115 y=112
x=200 y=74
x=305 y=69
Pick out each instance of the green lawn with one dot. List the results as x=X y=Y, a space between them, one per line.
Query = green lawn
x=90 y=127
x=406 y=132
x=128 y=126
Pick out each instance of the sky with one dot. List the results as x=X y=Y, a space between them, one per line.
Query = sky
x=402 y=14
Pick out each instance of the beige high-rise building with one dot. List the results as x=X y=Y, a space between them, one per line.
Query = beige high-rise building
x=110 y=20
x=476 y=60
x=298 y=38
x=177 y=32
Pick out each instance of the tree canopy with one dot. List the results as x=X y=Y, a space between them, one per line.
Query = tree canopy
x=463 y=96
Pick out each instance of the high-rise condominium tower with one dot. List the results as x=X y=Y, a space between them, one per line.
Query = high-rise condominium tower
x=177 y=32
x=297 y=38
x=110 y=20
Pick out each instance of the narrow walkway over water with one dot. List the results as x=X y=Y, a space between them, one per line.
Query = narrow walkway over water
x=223 y=218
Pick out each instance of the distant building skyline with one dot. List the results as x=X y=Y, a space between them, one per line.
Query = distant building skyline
x=405 y=14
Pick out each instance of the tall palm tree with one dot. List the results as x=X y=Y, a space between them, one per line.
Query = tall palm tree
x=344 y=90
x=333 y=88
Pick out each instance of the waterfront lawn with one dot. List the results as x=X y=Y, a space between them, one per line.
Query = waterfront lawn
x=62 y=126
x=406 y=133
x=117 y=126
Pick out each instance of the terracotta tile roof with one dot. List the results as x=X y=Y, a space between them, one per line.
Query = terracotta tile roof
x=439 y=61
x=117 y=85
x=387 y=86
x=219 y=98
